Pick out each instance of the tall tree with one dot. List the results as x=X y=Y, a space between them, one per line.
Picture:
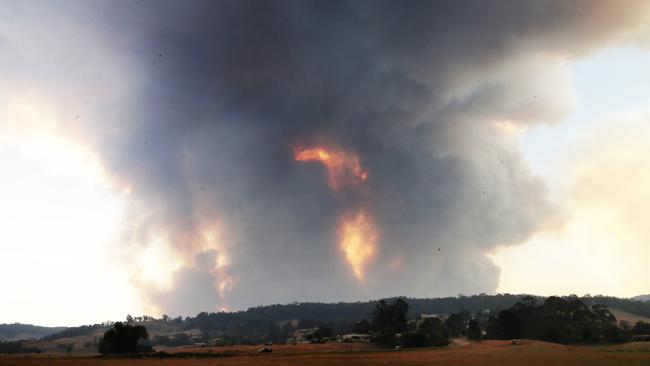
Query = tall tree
x=362 y=326
x=388 y=320
x=474 y=330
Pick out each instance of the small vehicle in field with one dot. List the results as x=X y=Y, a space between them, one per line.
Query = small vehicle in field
x=264 y=350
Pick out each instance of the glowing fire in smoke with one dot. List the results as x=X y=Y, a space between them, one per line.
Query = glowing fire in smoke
x=157 y=262
x=358 y=241
x=344 y=167
x=357 y=234
x=212 y=241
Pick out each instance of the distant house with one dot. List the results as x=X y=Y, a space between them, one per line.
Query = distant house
x=216 y=342
x=354 y=337
x=423 y=317
x=442 y=317
x=301 y=335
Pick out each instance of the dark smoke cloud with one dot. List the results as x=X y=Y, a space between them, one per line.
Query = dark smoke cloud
x=422 y=90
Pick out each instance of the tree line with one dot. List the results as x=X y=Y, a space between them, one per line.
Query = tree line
x=508 y=316
x=557 y=319
x=566 y=320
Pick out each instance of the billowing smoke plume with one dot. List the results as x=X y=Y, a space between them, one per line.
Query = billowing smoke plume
x=429 y=95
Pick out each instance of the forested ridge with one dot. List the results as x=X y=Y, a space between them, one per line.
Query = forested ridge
x=345 y=314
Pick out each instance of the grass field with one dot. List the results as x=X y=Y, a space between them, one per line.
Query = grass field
x=486 y=353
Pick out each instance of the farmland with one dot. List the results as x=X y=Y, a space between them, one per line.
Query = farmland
x=529 y=353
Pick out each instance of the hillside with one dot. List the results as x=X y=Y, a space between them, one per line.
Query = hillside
x=630 y=318
x=18 y=331
x=642 y=298
x=444 y=305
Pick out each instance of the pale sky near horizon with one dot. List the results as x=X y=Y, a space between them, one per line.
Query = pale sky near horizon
x=571 y=260
x=62 y=211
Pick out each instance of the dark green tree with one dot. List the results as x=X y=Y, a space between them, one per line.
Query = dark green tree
x=273 y=335
x=323 y=332
x=123 y=339
x=456 y=323
x=286 y=330
x=474 y=330
x=434 y=331
x=306 y=323
x=388 y=320
x=362 y=327
x=413 y=339
x=641 y=328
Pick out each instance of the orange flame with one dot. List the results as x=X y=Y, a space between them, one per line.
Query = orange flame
x=344 y=167
x=358 y=241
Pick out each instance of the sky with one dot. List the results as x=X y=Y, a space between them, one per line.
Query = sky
x=177 y=157
x=593 y=163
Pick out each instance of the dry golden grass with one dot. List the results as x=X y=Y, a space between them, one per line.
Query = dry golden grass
x=487 y=353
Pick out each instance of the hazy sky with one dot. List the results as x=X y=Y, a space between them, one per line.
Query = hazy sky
x=173 y=157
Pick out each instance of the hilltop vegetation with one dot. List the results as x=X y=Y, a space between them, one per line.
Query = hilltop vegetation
x=565 y=320
x=343 y=315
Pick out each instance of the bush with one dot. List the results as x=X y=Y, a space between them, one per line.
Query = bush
x=641 y=328
x=17 y=347
x=613 y=334
x=413 y=339
x=434 y=332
